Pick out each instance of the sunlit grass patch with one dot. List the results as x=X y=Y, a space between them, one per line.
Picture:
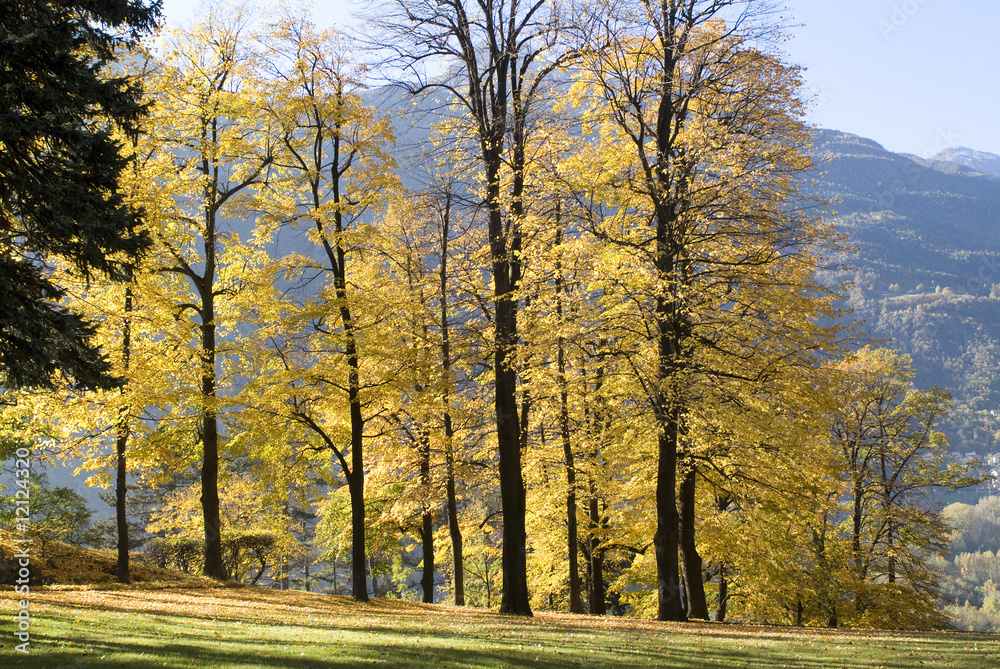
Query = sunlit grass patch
x=233 y=627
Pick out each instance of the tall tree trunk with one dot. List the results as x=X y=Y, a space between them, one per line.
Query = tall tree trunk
x=667 y=536
x=427 y=544
x=427 y=521
x=214 y=566
x=454 y=530
x=723 y=603
x=668 y=181
x=891 y=550
x=597 y=601
x=572 y=535
x=671 y=331
x=337 y=256
x=514 y=592
x=597 y=423
x=722 y=502
x=359 y=564
x=889 y=525
x=665 y=540
x=122 y=567
x=826 y=594
x=506 y=247
x=356 y=481
x=691 y=563
x=857 y=518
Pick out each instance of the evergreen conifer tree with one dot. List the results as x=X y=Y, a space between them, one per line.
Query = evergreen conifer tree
x=60 y=161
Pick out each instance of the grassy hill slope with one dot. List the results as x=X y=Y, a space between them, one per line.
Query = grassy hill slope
x=60 y=564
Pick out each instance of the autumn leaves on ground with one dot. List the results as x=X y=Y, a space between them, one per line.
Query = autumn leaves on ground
x=182 y=621
x=213 y=626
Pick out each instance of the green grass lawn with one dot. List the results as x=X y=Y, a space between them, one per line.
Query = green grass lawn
x=243 y=627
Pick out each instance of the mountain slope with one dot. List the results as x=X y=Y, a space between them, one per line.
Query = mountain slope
x=926 y=268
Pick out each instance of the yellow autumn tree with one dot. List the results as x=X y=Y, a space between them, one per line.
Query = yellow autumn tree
x=325 y=310
x=891 y=454
x=208 y=125
x=709 y=256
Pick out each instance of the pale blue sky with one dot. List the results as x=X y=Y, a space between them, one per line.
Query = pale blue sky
x=915 y=75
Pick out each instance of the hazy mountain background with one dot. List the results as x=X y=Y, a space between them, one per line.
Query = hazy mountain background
x=926 y=265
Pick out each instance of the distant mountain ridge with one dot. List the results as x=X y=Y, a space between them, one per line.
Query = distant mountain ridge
x=926 y=268
x=980 y=161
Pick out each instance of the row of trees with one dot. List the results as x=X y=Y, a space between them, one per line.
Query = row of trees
x=601 y=232
x=971 y=573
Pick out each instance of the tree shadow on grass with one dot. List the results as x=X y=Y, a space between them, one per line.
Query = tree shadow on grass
x=448 y=637
x=138 y=655
x=148 y=656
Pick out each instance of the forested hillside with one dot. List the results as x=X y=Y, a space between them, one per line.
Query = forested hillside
x=925 y=269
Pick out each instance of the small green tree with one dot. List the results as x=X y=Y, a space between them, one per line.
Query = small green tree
x=57 y=514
